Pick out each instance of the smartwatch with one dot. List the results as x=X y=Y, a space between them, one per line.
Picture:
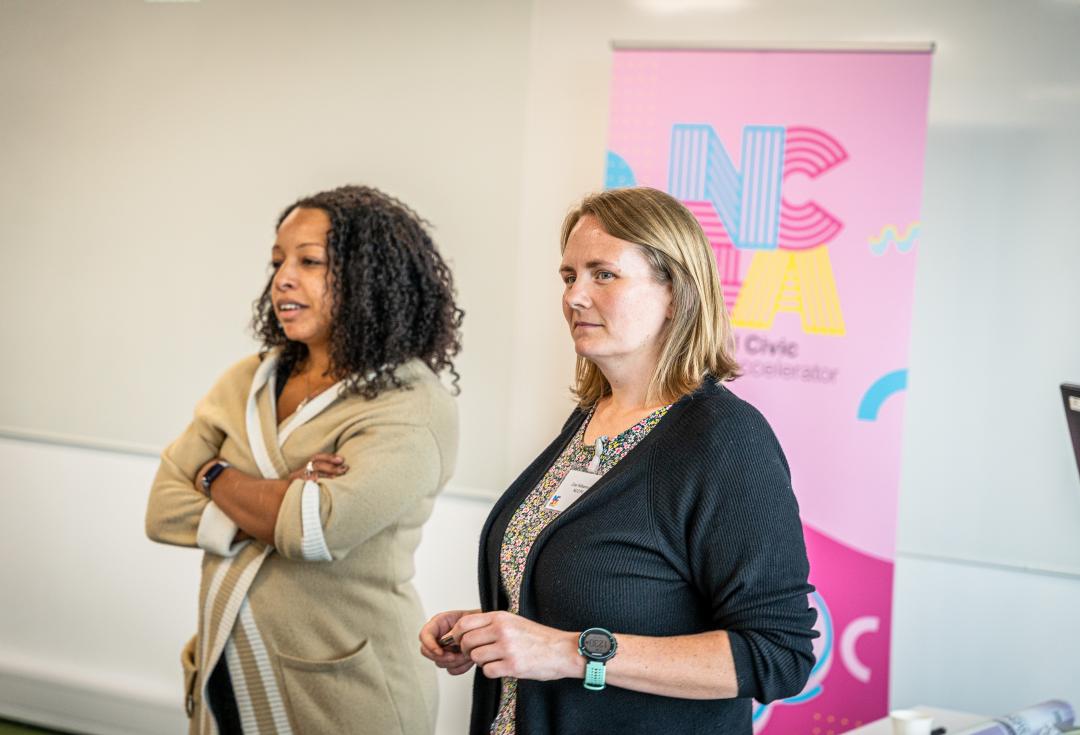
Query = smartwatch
x=212 y=474
x=597 y=646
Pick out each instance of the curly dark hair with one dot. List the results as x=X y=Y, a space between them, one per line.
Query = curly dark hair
x=393 y=295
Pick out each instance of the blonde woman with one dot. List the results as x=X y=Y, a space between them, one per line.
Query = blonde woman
x=647 y=572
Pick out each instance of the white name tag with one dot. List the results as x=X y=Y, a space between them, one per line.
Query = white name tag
x=572 y=487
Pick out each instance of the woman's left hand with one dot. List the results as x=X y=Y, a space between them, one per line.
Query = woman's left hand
x=322 y=465
x=504 y=644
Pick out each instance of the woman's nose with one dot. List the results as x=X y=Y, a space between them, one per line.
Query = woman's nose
x=284 y=278
x=577 y=295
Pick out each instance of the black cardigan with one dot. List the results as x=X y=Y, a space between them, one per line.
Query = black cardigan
x=696 y=529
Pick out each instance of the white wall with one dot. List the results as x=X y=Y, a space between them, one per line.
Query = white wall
x=982 y=639
x=989 y=566
x=148 y=149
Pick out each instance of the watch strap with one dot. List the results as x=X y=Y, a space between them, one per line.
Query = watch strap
x=595 y=674
x=212 y=474
x=595 y=661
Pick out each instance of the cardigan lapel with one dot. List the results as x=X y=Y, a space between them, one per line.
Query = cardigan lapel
x=596 y=493
x=227 y=624
x=262 y=423
x=309 y=411
x=267 y=437
x=492 y=534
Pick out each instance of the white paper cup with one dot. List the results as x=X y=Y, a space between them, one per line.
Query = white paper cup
x=910 y=722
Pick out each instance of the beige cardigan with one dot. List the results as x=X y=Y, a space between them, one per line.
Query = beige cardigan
x=320 y=629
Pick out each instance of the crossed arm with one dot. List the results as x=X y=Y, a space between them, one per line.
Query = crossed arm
x=252 y=502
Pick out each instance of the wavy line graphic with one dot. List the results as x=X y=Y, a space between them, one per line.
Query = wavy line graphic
x=891 y=234
x=876 y=394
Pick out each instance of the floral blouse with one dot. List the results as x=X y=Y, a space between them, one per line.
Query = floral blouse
x=531 y=518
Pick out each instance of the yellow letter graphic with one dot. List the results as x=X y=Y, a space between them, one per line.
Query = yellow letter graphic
x=790 y=280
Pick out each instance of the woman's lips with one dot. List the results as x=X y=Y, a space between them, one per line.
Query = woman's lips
x=285 y=315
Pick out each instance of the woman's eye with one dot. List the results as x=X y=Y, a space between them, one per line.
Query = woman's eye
x=604 y=275
x=312 y=261
x=275 y=264
x=569 y=280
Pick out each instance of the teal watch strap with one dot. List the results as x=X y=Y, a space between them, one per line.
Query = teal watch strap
x=595 y=672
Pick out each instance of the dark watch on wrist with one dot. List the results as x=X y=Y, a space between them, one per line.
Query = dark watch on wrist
x=597 y=646
x=212 y=474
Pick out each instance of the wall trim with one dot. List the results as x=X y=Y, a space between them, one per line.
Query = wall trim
x=1044 y=571
x=131 y=449
x=81 y=705
x=478 y=494
x=77 y=441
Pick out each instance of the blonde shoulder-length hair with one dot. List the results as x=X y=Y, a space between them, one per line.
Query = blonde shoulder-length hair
x=698 y=341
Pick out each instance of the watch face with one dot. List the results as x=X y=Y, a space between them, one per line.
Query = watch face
x=597 y=645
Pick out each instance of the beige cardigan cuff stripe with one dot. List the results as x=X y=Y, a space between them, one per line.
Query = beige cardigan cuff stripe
x=313 y=544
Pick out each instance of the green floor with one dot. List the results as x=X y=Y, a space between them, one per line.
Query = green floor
x=17 y=728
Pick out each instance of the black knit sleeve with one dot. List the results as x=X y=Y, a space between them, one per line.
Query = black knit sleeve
x=724 y=502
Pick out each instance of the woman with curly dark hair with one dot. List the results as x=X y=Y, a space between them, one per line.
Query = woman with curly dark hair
x=307 y=473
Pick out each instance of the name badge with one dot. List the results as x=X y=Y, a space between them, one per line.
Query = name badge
x=570 y=489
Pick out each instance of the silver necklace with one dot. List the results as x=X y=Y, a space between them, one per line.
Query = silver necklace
x=310 y=394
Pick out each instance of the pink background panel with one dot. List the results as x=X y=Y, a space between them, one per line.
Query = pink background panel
x=845 y=471
x=848 y=686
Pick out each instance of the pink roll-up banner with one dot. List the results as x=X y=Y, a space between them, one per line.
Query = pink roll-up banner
x=805 y=170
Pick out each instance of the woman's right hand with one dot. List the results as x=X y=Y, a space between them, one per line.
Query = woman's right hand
x=453 y=660
x=325 y=465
